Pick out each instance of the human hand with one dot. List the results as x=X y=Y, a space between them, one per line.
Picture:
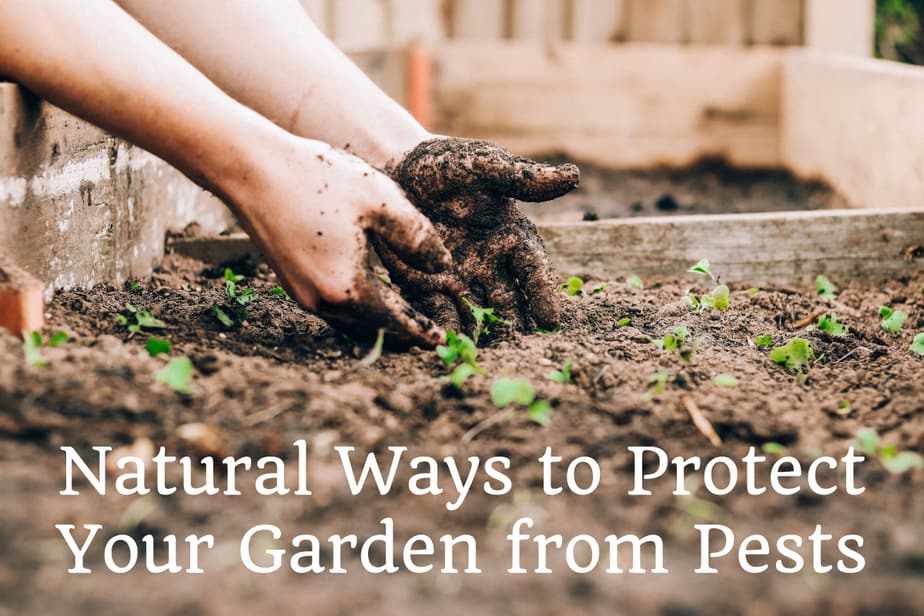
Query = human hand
x=469 y=190
x=312 y=213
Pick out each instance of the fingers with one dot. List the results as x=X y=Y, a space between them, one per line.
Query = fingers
x=504 y=297
x=531 y=266
x=527 y=180
x=411 y=235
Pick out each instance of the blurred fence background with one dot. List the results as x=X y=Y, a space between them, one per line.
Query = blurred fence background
x=844 y=26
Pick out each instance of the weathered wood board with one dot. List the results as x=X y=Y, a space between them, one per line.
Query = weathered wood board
x=632 y=105
x=775 y=22
x=856 y=123
x=772 y=248
x=840 y=26
x=598 y=21
x=716 y=22
x=657 y=21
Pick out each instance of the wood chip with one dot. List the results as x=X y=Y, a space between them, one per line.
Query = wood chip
x=699 y=420
x=809 y=319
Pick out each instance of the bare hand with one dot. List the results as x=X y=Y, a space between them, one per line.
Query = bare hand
x=468 y=189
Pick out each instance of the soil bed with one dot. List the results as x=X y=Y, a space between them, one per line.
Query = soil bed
x=283 y=376
x=709 y=187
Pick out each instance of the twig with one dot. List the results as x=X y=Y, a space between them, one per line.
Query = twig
x=809 y=319
x=699 y=420
x=483 y=425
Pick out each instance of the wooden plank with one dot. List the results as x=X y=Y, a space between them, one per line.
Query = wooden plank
x=415 y=21
x=482 y=20
x=758 y=249
x=775 y=22
x=358 y=24
x=598 y=21
x=538 y=20
x=617 y=106
x=716 y=21
x=657 y=21
x=840 y=26
x=849 y=121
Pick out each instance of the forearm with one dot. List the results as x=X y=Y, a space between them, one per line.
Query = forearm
x=271 y=57
x=76 y=55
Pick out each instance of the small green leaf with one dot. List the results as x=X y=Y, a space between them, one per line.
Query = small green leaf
x=459 y=347
x=573 y=286
x=461 y=374
x=135 y=329
x=540 y=411
x=623 y=322
x=917 y=346
x=31 y=348
x=635 y=281
x=753 y=292
x=222 y=316
x=280 y=292
x=773 y=449
x=892 y=320
x=902 y=462
x=600 y=288
x=825 y=288
x=156 y=346
x=718 y=299
x=563 y=375
x=58 y=338
x=828 y=324
x=725 y=380
x=701 y=268
x=657 y=383
x=177 y=375
x=797 y=355
x=867 y=441
x=231 y=277
x=542 y=330
x=484 y=319
x=376 y=351
x=764 y=341
x=121 y=319
x=505 y=392
x=145 y=318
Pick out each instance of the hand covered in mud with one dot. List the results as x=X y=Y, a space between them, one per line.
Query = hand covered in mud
x=312 y=216
x=469 y=190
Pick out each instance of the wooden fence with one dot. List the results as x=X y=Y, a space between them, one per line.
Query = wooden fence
x=844 y=26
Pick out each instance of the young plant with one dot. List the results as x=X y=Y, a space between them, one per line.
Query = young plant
x=32 y=346
x=917 y=346
x=725 y=380
x=507 y=392
x=676 y=342
x=234 y=312
x=797 y=355
x=894 y=461
x=657 y=384
x=461 y=354
x=573 y=286
x=144 y=319
x=703 y=269
x=764 y=341
x=561 y=376
x=600 y=288
x=892 y=320
x=718 y=299
x=635 y=281
x=157 y=346
x=376 y=351
x=773 y=449
x=825 y=288
x=484 y=319
x=828 y=323
x=623 y=322
x=177 y=375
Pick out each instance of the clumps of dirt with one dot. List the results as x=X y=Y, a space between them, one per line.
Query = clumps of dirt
x=709 y=187
x=282 y=375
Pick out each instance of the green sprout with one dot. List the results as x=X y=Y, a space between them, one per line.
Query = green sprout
x=623 y=322
x=635 y=281
x=677 y=342
x=461 y=354
x=235 y=311
x=753 y=292
x=917 y=346
x=280 y=292
x=573 y=286
x=894 y=461
x=157 y=346
x=725 y=380
x=773 y=449
x=892 y=320
x=764 y=341
x=507 y=392
x=718 y=299
x=32 y=346
x=542 y=330
x=657 y=384
x=600 y=288
x=484 y=319
x=797 y=355
x=825 y=288
x=828 y=323
x=177 y=375
x=561 y=376
x=376 y=351
x=144 y=319
x=702 y=268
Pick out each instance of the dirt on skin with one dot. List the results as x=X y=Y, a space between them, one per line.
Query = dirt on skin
x=284 y=376
x=710 y=187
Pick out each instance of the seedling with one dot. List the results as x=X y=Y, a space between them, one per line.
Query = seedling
x=32 y=346
x=484 y=319
x=894 y=461
x=156 y=346
x=658 y=383
x=461 y=354
x=825 y=288
x=892 y=320
x=542 y=330
x=753 y=292
x=797 y=355
x=917 y=346
x=725 y=380
x=718 y=299
x=573 y=286
x=507 y=392
x=561 y=376
x=623 y=322
x=676 y=342
x=764 y=341
x=461 y=373
x=280 y=292
x=177 y=375
x=376 y=351
x=600 y=288
x=828 y=323
x=144 y=319
x=635 y=281
x=773 y=449
x=235 y=312
x=702 y=268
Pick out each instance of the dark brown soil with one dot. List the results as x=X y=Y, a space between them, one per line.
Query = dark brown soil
x=710 y=187
x=283 y=376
